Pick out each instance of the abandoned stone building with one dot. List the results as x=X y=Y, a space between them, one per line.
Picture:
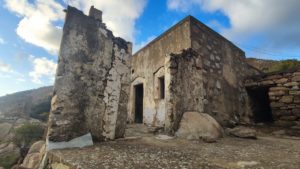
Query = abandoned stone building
x=100 y=86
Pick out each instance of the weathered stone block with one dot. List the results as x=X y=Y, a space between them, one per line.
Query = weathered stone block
x=274 y=77
x=294 y=92
x=291 y=84
x=296 y=112
x=296 y=74
x=276 y=104
x=282 y=80
x=296 y=78
x=248 y=84
x=296 y=99
x=206 y=62
x=288 y=118
x=95 y=13
x=280 y=112
x=277 y=93
x=267 y=82
x=278 y=89
x=287 y=99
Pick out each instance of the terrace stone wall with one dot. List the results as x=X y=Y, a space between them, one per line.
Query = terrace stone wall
x=284 y=96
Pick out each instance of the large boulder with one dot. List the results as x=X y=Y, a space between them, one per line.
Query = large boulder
x=242 y=132
x=195 y=125
x=34 y=156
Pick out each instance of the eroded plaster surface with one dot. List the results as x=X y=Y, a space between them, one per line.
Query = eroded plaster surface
x=92 y=81
x=149 y=64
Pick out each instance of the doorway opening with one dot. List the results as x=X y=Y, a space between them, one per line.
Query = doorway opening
x=139 y=99
x=260 y=104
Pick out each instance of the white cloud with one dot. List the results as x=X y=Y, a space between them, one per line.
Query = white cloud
x=215 y=24
x=119 y=15
x=36 y=26
x=21 y=79
x=2 y=41
x=276 y=21
x=42 y=68
x=38 y=18
x=5 y=68
x=8 y=73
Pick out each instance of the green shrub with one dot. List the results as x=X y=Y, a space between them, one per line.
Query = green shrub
x=285 y=65
x=8 y=161
x=27 y=134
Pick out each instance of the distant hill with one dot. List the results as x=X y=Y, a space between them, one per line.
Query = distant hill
x=32 y=103
x=272 y=65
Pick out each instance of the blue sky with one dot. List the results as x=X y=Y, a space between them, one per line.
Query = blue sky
x=30 y=30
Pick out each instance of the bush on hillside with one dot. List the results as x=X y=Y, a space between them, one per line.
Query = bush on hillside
x=285 y=65
x=27 y=134
x=8 y=160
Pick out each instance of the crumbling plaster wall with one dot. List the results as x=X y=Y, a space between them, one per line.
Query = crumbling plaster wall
x=148 y=64
x=92 y=80
x=184 y=81
x=223 y=69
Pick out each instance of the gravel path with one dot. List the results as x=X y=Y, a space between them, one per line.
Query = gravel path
x=149 y=152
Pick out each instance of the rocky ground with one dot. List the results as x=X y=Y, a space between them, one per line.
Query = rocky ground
x=142 y=150
x=10 y=153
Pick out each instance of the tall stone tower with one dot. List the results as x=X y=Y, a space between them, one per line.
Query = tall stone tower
x=92 y=80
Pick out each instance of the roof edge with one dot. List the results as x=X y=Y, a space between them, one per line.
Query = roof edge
x=187 y=18
x=215 y=32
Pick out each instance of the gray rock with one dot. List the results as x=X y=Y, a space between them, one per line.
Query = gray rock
x=196 y=125
x=242 y=132
x=279 y=132
x=34 y=156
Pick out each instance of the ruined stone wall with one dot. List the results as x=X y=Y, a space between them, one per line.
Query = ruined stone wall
x=184 y=81
x=224 y=70
x=148 y=65
x=284 y=96
x=92 y=80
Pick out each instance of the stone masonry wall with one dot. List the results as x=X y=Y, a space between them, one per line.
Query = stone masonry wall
x=284 y=96
x=224 y=69
x=92 y=80
x=184 y=81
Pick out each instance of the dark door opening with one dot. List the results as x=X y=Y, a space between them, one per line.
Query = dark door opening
x=139 y=97
x=260 y=104
x=162 y=87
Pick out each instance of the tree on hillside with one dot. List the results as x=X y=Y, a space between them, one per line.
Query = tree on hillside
x=27 y=134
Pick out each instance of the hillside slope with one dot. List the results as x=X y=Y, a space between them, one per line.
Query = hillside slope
x=273 y=65
x=22 y=104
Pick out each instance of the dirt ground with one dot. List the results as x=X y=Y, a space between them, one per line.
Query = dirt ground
x=148 y=151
